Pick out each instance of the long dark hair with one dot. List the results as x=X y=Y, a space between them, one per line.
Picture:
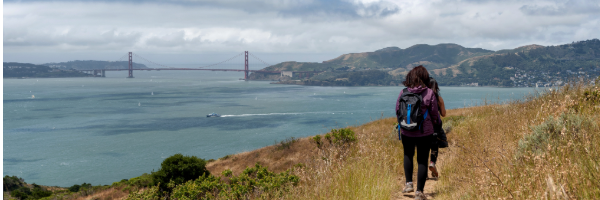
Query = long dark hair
x=433 y=85
x=416 y=77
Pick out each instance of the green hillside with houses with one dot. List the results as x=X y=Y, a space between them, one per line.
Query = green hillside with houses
x=451 y=64
x=27 y=70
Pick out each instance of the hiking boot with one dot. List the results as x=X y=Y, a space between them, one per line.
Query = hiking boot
x=408 y=188
x=420 y=196
x=433 y=169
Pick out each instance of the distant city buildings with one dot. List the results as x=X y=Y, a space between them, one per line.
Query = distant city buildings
x=548 y=79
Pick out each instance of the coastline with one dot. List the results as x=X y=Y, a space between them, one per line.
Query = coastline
x=51 y=77
x=462 y=86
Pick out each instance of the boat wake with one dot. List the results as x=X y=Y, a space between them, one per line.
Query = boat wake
x=325 y=112
x=249 y=115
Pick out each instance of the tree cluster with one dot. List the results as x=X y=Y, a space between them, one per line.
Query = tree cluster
x=178 y=169
x=13 y=69
x=18 y=188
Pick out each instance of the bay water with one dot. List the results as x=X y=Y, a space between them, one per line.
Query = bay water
x=66 y=131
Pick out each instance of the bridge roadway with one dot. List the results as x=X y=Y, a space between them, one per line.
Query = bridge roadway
x=246 y=70
x=158 y=69
x=96 y=72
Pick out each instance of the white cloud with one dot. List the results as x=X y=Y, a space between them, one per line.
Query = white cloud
x=292 y=27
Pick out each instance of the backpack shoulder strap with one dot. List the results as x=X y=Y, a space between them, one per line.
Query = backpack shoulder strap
x=424 y=117
x=404 y=92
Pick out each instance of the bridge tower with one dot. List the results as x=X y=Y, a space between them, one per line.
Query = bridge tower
x=246 y=65
x=130 y=66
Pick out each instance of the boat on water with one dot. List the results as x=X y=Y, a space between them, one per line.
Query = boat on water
x=213 y=115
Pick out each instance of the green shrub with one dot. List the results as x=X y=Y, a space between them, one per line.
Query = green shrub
x=252 y=181
x=179 y=169
x=299 y=165
x=225 y=157
x=84 y=188
x=317 y=140
x=21 y=193
x=537 y=141
x=145 y=180
x=18 y=189
x=286 y=144
x=552 y=129
x=77 y=188
x=227 y=173
x=328 y=137
x=451 y=121
x=341 y=136
x=592 y=95
x=39 y=192
x=151 y=193
x=74 y=188
x=12 y=183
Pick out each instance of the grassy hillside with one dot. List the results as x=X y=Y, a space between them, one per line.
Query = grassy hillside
x=528 y=65
x=542 y=147
x=452 y=64
x=379 y=68
x=437 y=56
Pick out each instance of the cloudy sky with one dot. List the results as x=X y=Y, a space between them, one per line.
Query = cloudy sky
x=205 y=31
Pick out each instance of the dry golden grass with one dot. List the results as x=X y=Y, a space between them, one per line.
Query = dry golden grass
x=275 y=159
x=370 y=168
x=95 y=193
x=51 y=188
x=108 y=194
x=367 y=169
x=484 y=160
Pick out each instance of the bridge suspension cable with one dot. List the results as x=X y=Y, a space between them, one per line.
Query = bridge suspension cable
x=222 y=61
x=164 y=66
x=259 y=59
x=122 y=57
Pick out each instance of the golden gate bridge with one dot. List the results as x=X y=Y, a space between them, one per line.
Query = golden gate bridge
x=246 y=70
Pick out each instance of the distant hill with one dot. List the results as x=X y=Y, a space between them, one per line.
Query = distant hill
x=390 y=58
x=453 y=64
x=94 y=64
x=20 y=70
x=527 y=66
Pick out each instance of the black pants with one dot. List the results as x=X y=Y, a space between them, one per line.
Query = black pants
x=423 y=144
x=434 y=152
x=439 y=139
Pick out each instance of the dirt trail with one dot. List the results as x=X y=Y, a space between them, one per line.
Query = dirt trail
x=429 y=189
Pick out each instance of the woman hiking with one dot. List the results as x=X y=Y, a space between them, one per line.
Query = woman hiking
x=417 y=134
x=440 y=140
